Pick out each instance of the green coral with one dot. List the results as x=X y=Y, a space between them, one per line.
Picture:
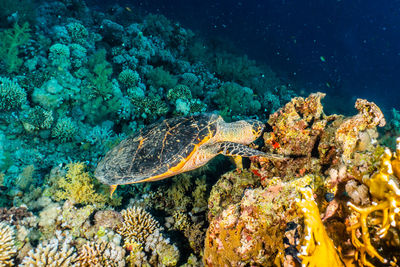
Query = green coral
x=129 y=77
x=101 y=71
x=159 y=77
x=237 y=99
x=37 y=118
x=78 y=32
x=10 y=42
x=59 y=56
x=65 y=130
x=179 y=92
x=12 y=96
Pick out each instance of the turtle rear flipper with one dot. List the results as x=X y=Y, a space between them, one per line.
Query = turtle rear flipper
x=235 y=149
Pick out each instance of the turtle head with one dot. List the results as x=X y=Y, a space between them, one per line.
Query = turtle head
x=242 y=132
x=257 y=127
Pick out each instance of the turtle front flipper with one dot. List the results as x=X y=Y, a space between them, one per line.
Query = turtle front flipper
x=235 y=149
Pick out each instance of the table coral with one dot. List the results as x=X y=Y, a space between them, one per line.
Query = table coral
x=7 y=245
x=383 y=214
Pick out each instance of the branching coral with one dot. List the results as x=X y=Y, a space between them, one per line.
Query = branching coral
x=137 y=225
x=56 y=252
x=129 y=77
x=317 y=248
x=384 y=214
x=7 y=245
x=142 y=234
x=64 y=130
x=98 y=254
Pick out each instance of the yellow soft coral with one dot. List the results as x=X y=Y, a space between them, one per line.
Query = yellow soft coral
x=77 y=186
x=317 y=248
x=383 y=186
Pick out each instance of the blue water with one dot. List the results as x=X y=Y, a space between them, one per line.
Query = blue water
x=348 y=49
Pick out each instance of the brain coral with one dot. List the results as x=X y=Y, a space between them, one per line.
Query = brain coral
x=7 y=247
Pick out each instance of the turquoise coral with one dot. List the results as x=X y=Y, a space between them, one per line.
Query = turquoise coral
x=12 y=96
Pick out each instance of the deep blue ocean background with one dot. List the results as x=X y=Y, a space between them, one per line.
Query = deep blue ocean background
x=348 y=49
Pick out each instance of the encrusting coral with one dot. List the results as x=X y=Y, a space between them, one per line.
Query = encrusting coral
x=7 y=245
x=383 y=215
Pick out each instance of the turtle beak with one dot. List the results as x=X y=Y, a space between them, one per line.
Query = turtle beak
x=112 y=189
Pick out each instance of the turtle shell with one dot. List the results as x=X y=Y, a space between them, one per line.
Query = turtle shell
x=151 y=153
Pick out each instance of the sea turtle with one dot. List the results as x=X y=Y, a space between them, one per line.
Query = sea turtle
x=175 y=146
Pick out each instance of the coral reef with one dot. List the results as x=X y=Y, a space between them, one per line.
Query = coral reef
x=79 y=80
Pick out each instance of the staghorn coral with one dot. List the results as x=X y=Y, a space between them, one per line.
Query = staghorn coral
x=383 y=215
x=98 y=254
x=7 y=245
x=77 y=186
x=137 y=225
x=56 y=252
x=317 y=248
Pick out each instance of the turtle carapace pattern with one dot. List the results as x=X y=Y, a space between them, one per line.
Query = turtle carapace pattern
x=177 y=145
